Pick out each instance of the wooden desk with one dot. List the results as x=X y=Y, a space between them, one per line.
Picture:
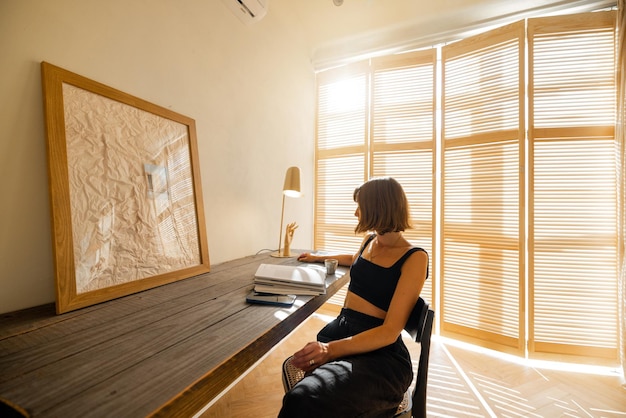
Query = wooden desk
x=166 y=351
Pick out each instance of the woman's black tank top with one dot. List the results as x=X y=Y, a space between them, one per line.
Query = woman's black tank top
x=374 y=283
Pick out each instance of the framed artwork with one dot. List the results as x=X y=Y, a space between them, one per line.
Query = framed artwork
x=125 y=192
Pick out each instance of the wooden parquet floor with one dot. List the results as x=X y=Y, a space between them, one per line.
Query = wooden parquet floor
x=462 y=382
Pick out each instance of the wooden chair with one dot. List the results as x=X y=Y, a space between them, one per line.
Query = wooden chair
x=419 y=327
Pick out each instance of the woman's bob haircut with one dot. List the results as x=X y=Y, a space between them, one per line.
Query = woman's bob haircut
x=383 y=206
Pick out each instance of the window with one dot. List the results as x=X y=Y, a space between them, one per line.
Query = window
x=377 y=121
x=482 y=292
x=526 y=255
x=572 y=205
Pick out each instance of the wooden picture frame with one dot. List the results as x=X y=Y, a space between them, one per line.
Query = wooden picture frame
x=125 y=192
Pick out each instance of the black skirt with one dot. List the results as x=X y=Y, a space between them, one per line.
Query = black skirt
x=365 y=385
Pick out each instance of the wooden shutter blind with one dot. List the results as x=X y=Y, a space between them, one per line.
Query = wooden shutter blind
x=340 y=154
x=572 y=212
x=482 y=192
x=403 y=137
x=556 y=185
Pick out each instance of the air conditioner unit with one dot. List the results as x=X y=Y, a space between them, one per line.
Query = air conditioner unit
x=248 y=11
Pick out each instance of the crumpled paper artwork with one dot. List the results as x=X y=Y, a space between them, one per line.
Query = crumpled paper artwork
x=131 y=192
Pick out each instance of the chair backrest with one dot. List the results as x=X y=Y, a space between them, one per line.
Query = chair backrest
x=420 y=326
x=417 y=319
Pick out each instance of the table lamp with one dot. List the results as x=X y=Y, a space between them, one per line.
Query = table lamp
x=291 y=188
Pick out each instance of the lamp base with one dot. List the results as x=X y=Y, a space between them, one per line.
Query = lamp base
x=279 y=255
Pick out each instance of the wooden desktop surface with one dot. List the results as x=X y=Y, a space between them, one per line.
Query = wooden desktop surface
x=167 y=351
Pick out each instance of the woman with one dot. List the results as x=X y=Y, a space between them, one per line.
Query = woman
x=359 y=365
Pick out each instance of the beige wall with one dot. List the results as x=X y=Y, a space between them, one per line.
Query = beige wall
x=250 y=89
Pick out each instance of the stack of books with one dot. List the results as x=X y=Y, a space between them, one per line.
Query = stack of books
x=290 y=280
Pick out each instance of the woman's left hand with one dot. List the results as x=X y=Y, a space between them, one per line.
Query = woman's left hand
x=312 y=355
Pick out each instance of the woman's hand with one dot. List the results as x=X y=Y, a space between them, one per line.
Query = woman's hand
x=311 y=356
x=308 y=258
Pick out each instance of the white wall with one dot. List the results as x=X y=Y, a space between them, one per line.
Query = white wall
x=366 y=27
x=250 y=90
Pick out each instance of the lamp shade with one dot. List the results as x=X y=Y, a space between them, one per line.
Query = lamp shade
x=292 y=182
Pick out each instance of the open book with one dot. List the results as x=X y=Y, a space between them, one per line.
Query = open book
x=289 y=280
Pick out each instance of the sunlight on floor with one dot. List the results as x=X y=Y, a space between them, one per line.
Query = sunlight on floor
x=504 y=385
x=615 y=371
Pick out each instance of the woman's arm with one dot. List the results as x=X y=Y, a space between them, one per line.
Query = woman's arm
x=409 y=287
x=344 y=259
